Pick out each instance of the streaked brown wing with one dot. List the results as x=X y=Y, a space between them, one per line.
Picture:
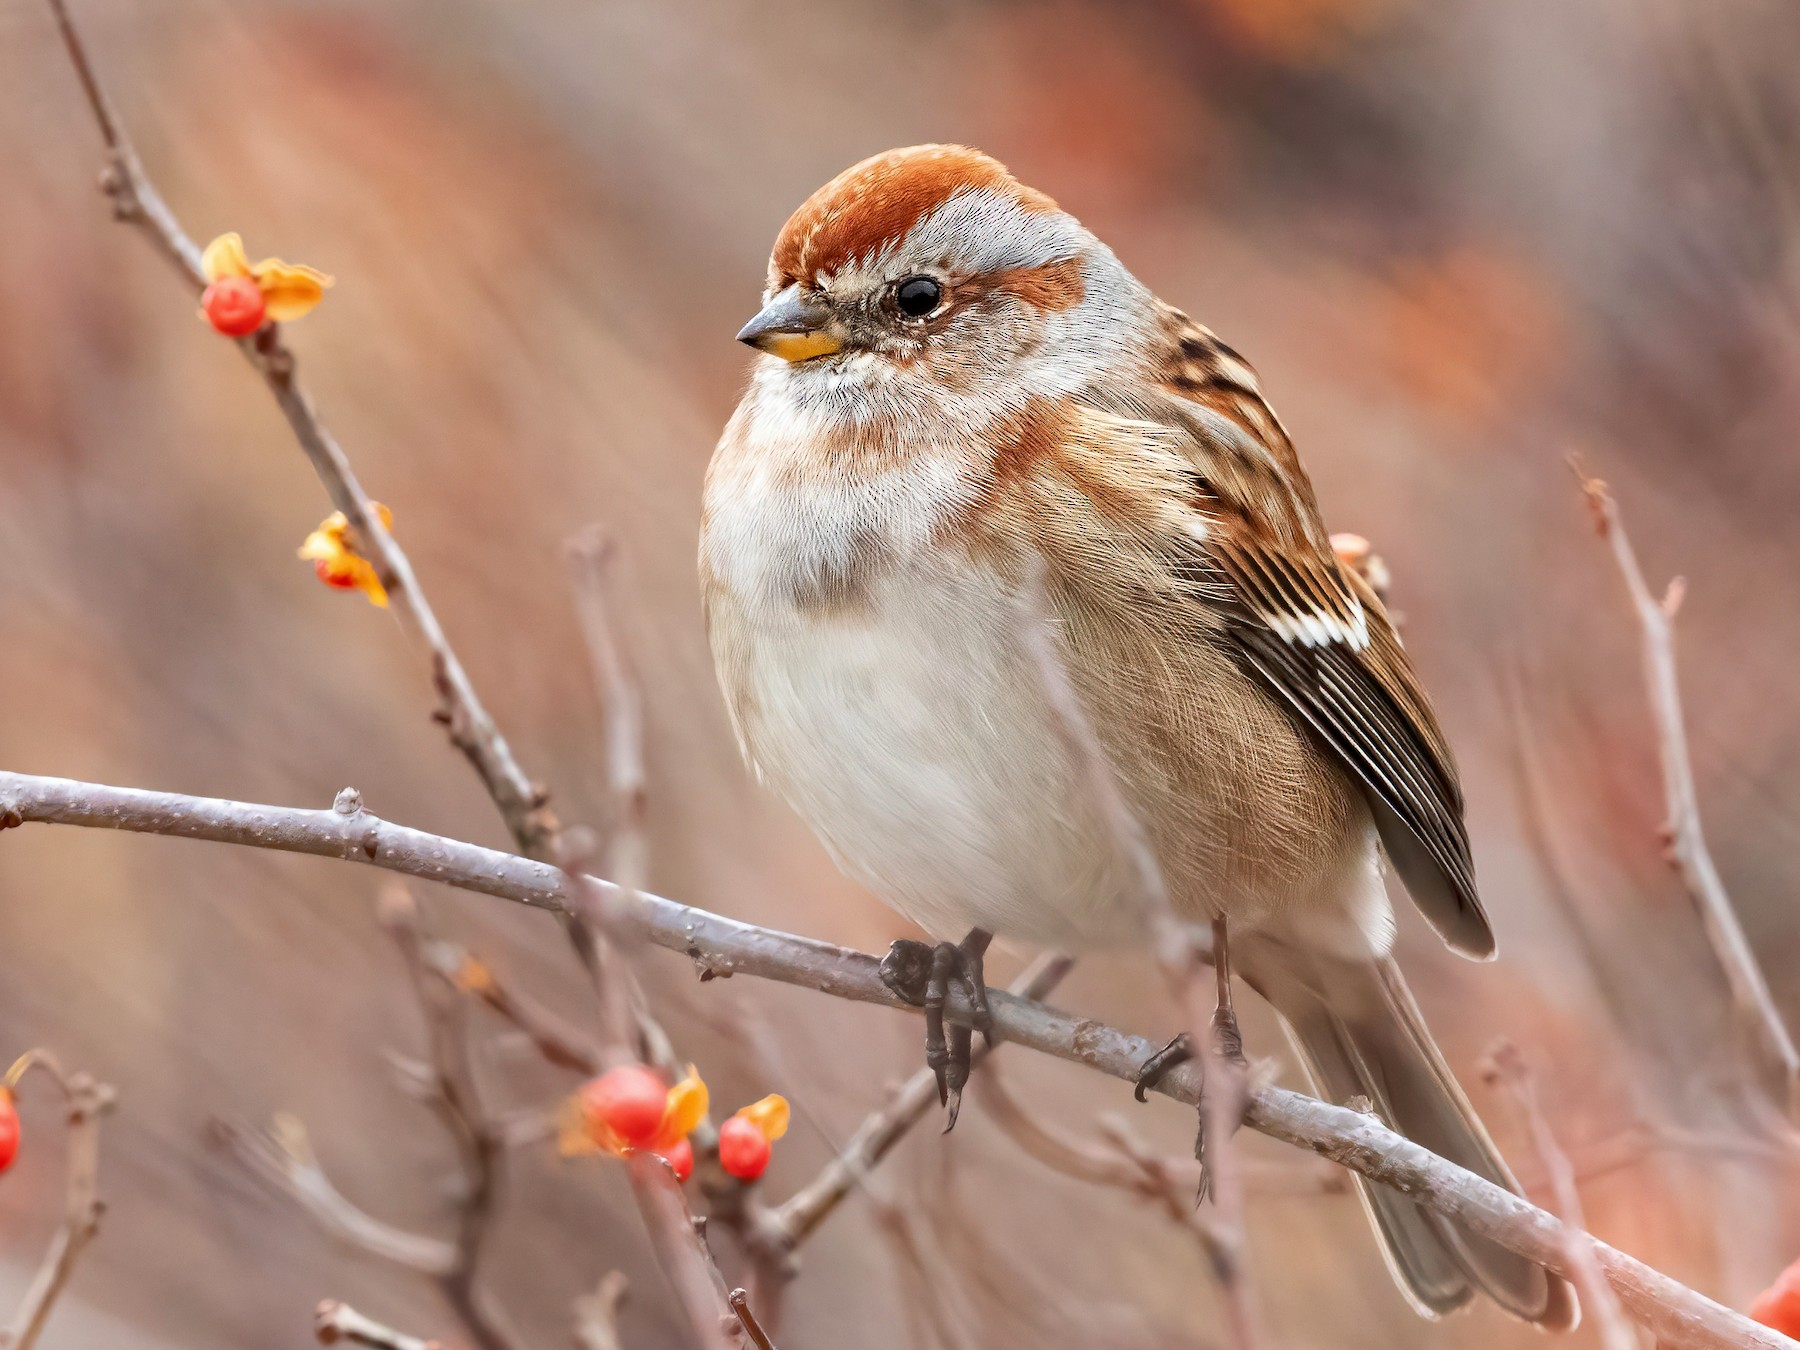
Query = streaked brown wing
x=1311 y=631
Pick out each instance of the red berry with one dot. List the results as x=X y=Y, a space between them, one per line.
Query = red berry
x=9 y=1130
x=333 y=573
x=1779 y=1306
x=681 y=1158
x=743 y=1149
x=629 y=1101
x=234 y=306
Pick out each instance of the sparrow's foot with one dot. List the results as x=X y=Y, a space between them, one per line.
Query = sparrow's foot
x=1228 y=1042
x=1227 y=1039
x=922 y=975
x=1151 y=1071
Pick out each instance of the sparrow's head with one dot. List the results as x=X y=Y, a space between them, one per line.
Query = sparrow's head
x=930 y=264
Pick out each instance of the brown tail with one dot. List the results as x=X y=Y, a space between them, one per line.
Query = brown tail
x=1359 y=1033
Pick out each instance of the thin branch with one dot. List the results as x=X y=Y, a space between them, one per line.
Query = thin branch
x=523 y=804
x=936 y=1314
x=661 y=1202
x=136 y=201
x=480 y=1139
x=740 y=1304
x=772 y=1236
x=282 y=1155
x=555 y=1041
x=908 y=1104
x=593 y=559
x=1685 y=842
x=87 y=1100
x=1121 y=1163
x=334 y=1322
x=1679 y=1315
x=625 y=855
x=1505 y=1067
x=681 y=1250
x=597 y=1314
x=1095 y=1164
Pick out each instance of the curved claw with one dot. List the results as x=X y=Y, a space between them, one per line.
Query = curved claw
x=1178 y=1051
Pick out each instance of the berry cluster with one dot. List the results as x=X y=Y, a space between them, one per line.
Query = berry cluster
x=629 y=1109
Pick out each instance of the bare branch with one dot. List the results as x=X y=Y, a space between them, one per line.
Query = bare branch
x=282 y=1156
x=136 y=201
x=681 y=1250
x=1505 y=1067
x=557 y=1042
x=593 y=558
x=480 y=1140
x=87 y=1100
x=334 y=1322
x=1093 y=1163
x=660 y=1200
x=597 y=1314
x=1686 y=844
x=1679 y=1315
x=740 y=1304
x=795 y=1220
x=935 y=1320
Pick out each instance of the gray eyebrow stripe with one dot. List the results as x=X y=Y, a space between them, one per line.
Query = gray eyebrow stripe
x=983 y=231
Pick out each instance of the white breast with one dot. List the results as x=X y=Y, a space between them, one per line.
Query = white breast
x=900 y=720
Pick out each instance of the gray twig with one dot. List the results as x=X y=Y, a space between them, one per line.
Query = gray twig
x=740 y=1304
x=1505 y=1066
x=1122 y=1163
x=137 y=202
x=597 y=1314
x=480 y=1138
x=282 y=1156
x=283 y=1153
x=334 y=1322
x=593 y=561
x=794 y=1221
x=87 y=1100
x=1684 y=840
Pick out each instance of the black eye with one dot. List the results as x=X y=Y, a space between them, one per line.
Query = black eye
x=918 y=296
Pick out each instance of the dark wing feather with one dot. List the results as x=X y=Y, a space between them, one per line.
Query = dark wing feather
x=1313 y=634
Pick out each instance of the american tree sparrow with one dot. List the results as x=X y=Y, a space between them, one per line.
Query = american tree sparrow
x=963 y=394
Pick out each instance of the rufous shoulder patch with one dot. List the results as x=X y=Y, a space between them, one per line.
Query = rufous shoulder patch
x=876 y=202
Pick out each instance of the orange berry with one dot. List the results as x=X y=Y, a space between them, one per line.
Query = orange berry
x=9 y=1130
x=234 y=306
x=629 y=1101
x=681 y=1158
x=743 y=1148
x=333 y=573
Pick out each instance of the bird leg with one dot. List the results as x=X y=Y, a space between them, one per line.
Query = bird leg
x=1228 y=1041
x=921 y=974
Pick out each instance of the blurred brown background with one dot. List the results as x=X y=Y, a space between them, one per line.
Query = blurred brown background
x=1457 y=237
